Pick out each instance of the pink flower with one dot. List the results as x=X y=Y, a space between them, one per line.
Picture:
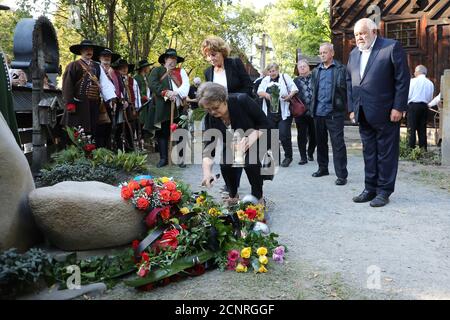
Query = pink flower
x=143 y=271
x=231 y=265
x=279 y=251
x=278 y=258
x=233 y=255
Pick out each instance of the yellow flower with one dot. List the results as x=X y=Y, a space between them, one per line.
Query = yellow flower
x=262 y=251
x=262 y=269
x=246 y=253
x=200 y=200
x=165 y=179
x=214 y=212
x=184 y=210
x=263 y=260
x=241 y=268
x=241 y=215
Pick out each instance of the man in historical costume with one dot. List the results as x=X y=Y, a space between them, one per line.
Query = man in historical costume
x=168 y=84
x=6 y=101
x=143 y=81
x=104 y=124
x=85 y=84
x=126 y=114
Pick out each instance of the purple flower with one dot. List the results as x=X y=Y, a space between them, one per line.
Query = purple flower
x=278 y=258
x=279 y=251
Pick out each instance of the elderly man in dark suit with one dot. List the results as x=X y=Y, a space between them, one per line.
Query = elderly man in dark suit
x=377 y=84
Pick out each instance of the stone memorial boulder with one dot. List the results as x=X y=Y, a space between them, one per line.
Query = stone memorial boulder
x=85 y=216
x=17 y=227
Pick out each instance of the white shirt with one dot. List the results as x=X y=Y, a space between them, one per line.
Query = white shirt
x=182 y=90
x=285 y=88
x=365 y=55
x=421 y=90
x=221 y=78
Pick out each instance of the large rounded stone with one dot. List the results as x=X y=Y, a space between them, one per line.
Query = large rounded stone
x=85 y=215
x=17 y=227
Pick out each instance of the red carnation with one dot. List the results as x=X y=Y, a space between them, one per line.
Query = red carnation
x=165 y=195
x=145 y=256
x=144 y=182
x=142 y=204
x=133 y=185
x=165 y=213
x=173 y=127
x=126 y=193
x=89 y=147
x=135 y=244
x=170 y=185
x=175 y=196
x=251 y=213
x=148 y=190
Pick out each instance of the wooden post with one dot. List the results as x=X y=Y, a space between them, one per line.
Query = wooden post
x=445 y=118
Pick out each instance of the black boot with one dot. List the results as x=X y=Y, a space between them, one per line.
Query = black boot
x=163 y=152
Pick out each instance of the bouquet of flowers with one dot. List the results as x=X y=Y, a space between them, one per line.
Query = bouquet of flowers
x=273 y=88
x=81 y=140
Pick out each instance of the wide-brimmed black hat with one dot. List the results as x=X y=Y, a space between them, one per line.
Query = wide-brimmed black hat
x=3 y=7
x=107 y=52
x=143 y=63
x=76 y=48
x=122 y=62
x=170 y=53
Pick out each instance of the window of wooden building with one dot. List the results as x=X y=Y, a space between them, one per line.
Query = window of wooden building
x=406 y=32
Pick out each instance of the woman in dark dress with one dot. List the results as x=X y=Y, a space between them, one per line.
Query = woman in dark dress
x=227 y=114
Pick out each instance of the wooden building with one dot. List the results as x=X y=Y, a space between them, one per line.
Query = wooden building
x=422 y=26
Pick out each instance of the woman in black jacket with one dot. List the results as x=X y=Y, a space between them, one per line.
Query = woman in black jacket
x=229 y=72
x=230 y=114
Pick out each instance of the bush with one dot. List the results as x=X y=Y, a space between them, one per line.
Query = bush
x=418 y=154
x=21 y=272
x=68 y=155
x=81 y=170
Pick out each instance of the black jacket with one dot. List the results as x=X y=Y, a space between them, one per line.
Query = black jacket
x=244 y=115
x=238 y=80
x=338 y=91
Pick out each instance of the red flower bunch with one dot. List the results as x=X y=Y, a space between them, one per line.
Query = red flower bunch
x=126 y=193
x=169 y=193
x=89 y=147
x=251 y=213
x=142 y=204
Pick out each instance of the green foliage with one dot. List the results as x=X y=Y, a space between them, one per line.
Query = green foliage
x=69 y=155
x=418 y=154
x=106 y=269
x=21 y=271
x=80 y=170
x=130 y=162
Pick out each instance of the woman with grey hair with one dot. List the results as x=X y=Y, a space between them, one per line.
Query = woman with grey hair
x=277 y=111
x=229 y=113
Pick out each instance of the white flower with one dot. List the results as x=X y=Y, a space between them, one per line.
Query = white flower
x=272 y=83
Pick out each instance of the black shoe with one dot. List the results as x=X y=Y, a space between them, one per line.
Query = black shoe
x=286 y=162
x=320 y=173
x=380 y=201
x=182 y=165
x=341 y=182
x=310 y=158
x=303 y=161
x=162 y=163
x=365 y=196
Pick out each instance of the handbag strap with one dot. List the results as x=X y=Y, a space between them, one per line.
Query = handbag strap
x=287 y=88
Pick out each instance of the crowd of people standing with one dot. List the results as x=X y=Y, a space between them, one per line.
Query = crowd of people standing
x=373 y=89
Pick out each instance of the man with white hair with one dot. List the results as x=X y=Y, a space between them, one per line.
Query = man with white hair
x=377 y=85
x=421 y=92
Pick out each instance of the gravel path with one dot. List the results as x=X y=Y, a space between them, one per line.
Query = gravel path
x=334 y=242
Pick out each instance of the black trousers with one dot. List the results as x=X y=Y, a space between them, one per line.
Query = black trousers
x=381 y=148
x=306 y=134
x=417 y=122
x=334 y=125
x=284 y=127
x=253 y=171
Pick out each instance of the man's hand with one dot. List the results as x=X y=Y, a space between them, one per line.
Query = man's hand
x=208 y=179
x=352 y=117
x=396 y=115
x=268 y=96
